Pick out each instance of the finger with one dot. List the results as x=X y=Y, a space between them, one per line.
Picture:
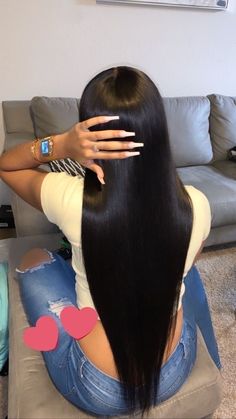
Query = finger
x=108 y=134
x=97 y=169
x=116 y=145
x=115 y=155
x=97 y=120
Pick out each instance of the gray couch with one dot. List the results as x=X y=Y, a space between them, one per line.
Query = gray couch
x=202 y=129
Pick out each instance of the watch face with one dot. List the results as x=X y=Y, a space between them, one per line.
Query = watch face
x=45 y=148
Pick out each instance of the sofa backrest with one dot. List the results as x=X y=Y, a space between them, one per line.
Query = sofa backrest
x=188 y=123
x=53 y=115
x=17 y=122
x=201 y=129
x=187 y=118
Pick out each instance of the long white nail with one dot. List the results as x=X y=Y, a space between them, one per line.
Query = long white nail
x=133 y=145
x=127 y=134
x=134 y=153
x=101 y=180
x=111 y=118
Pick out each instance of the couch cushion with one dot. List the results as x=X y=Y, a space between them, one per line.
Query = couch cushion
x=53 y=115
x=187 y=118
x=32 y=394
x=16 y=116
x=188 y=124
x=222 y=124
x=11 y=140
x=227 y=167
x=29 y=220
x=219 y=189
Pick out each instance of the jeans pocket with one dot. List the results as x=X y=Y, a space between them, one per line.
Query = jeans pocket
x=189 y=340
x=191 y=331
x=65 y=381
x=68 y=392
x=173 y=376
x=60 y=376
x=179 y=365
x=170 y=389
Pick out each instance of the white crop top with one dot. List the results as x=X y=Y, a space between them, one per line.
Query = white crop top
x=61 y=200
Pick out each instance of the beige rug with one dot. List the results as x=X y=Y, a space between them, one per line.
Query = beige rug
x=218 y=271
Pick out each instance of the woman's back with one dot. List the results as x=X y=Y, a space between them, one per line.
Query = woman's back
x=135 y=232
x=61 y=208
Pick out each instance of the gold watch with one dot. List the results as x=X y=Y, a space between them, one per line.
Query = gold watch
x=45 y=148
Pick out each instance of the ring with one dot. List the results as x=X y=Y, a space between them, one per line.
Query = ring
x=95 y=149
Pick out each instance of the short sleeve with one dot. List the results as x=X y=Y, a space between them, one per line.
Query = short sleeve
x=205 y=214
x=201 y=213
x=201 y=224
x=61 y=200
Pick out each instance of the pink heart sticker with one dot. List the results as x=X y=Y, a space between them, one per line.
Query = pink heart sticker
x=42 y=337
x=78 y=323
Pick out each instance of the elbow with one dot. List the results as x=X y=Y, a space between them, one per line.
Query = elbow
x=3 y=175
x=1 y=165
x=2 y=170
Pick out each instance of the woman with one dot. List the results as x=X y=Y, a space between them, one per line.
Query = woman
x=134 y=240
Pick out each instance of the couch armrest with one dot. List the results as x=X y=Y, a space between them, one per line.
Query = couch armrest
x=28 y=220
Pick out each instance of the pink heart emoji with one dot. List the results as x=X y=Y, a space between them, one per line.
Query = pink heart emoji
x=42 y=337
x=78 y=323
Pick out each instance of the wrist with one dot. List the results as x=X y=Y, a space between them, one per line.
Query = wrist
x=59 y=147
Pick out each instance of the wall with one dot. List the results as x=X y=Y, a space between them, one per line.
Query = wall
x=53 y=47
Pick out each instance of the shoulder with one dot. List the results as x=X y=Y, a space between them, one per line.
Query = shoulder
x=201 y=224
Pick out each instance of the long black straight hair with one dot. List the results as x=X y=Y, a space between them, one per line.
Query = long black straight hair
x=135 y=232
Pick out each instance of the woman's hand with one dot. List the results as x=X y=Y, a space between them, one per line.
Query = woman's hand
x=86 y=146
x=18 y=167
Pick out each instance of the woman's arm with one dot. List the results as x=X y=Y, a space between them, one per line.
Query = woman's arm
x=19 y=169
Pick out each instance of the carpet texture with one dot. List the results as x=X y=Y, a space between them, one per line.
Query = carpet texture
x=218 y=272
x=217 y=267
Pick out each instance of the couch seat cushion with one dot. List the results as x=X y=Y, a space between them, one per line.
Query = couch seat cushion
x=219 y=188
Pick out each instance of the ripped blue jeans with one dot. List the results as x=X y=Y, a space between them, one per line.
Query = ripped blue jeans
x=50 y=286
